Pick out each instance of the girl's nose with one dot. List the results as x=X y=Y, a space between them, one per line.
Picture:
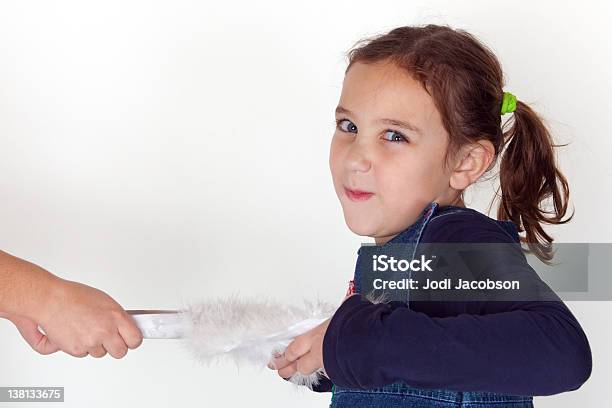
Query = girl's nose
x=357 y=158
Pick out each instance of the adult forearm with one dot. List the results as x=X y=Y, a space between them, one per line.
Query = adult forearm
x=24 y=286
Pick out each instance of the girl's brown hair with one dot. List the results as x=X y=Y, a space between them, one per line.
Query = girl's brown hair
x=465 y=80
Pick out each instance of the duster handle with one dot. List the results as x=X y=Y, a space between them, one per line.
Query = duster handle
x=159 y=324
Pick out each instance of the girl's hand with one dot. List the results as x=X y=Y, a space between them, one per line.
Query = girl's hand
x=304 y=354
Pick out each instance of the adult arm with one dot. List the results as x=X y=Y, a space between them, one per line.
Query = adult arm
x=75 y=318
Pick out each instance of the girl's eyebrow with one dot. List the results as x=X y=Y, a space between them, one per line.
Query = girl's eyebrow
x=402 y=123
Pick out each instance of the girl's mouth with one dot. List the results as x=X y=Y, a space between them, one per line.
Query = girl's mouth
x=357 y=195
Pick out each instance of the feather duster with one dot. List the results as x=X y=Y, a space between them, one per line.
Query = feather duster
x=243 y=330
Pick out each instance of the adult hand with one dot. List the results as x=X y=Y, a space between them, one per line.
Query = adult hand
x=79 y=320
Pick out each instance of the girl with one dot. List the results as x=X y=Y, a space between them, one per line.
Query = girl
x=419 y=121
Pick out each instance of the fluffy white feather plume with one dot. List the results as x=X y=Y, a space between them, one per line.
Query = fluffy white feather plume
x=243 y=330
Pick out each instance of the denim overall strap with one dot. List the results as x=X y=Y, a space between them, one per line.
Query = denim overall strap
x=509 y=227
x=410 y=236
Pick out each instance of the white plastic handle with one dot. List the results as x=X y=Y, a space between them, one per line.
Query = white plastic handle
x=160 y=324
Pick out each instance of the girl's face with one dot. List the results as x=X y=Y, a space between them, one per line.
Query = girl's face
x=389 y=142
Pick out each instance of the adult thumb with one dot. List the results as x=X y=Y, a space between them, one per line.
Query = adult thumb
x=30 y=333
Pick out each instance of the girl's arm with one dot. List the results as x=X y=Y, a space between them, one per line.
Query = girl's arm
x=537 y=349
x=509 y=347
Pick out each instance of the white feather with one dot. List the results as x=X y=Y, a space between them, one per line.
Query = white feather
x=250 y=331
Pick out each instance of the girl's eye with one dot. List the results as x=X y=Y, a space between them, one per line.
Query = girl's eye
x=348 y=128
x=398 y=137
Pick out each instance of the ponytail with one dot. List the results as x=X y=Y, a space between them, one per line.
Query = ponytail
x=528 y=176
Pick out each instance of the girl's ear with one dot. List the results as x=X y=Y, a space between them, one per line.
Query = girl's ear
x=474 y=159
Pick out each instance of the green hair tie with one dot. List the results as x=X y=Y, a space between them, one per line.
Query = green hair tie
x=508 y=103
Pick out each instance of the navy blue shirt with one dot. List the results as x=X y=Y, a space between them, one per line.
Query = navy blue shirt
x=509 y=347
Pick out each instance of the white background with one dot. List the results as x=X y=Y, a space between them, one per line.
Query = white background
x=144 y=144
